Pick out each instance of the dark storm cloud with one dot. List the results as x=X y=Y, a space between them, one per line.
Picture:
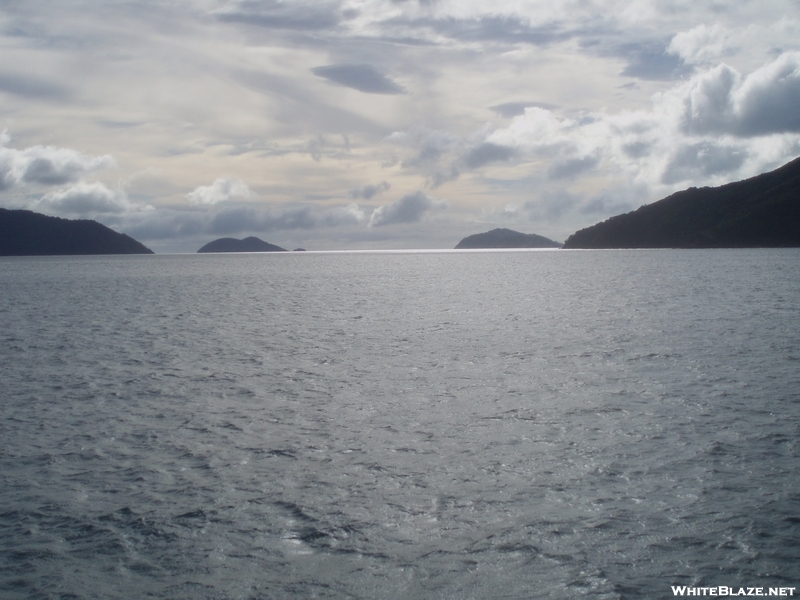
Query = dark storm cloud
x=299 y=16
x=364 y=78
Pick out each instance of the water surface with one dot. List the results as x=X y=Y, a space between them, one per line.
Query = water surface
x=560 y=424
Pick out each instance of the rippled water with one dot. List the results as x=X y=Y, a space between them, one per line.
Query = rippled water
x=558 y=424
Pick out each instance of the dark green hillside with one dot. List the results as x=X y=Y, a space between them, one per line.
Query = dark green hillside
x=249 y=244
x=505 y=238
x=26 y=233
x=760 y=212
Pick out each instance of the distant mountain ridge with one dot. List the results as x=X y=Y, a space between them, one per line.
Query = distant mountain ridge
x=26 y=233
x=505 y=238
x=248 y=244
x=760 y=212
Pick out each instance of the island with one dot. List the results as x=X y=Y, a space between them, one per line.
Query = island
x=505 y=238
x=760 y=212
x=248 y=244
x=27 y=233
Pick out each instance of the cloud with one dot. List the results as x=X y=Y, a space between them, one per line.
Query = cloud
x=367 y=192
x=707 y=130
x=485 y=153
x=514 y=109
x=315 y=147
x=362 y=77
x=610 y=202
x=27 y=86
x=338 y=216
x=411 y=208
x=85 y=199
x=167 y=223
x=722 y=101
x=567 y=168
x=272 y=14
x=430 y=145
x=45 y=165
x=652 y=62
x=700 y=44
x=502 y=29
x=769 y=99
x=702 y=160
x=222 y=190
x=443 y=156
x=707 y=45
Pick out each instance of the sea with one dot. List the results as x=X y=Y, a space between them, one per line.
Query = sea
x=618 y=424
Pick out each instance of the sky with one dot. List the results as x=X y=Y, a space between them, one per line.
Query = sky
x=385 y=124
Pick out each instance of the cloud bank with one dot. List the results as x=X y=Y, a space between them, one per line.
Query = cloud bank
x=45 y=165
x=408 y=209
x=540 y=116
x=713 y=126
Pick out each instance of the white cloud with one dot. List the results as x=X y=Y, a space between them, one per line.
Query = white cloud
x=45 y=165
x=707 y=45
x=701 y=44
x=765 y=102
x=222 y=190
x=717 y=126
x=411 y=208
x=336 y=216
x=86 y=199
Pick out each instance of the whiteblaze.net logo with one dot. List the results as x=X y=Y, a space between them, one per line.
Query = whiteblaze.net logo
x=723 y=590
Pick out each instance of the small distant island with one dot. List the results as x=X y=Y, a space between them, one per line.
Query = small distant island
x=27 y=233
x=505 y=238
x=760 y=212
x=248 y=244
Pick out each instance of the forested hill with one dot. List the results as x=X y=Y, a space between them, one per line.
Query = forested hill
x=26 y=233
x=505 y=238
x=760 y=212
x=248 y=244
